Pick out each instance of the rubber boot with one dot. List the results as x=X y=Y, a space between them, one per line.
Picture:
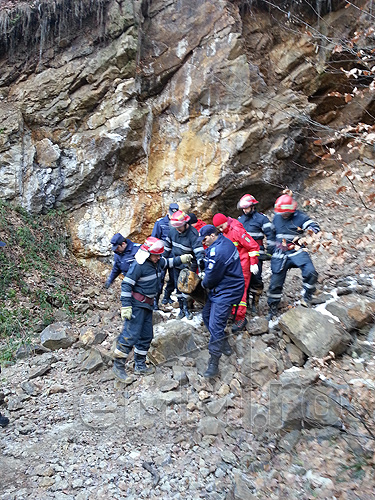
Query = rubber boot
x=140 y=367
x=255 y=304
x=119 y=369
x=186 y=309
x=4 y=421
x=272 y=312
x=166 y=299
x=213 y=367
x=226 y=347
x=181 y=314
x=122 y=351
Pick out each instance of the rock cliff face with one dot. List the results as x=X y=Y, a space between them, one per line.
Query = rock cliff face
x=113 y=109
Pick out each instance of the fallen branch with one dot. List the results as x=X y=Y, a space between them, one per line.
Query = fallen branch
x=148 y=466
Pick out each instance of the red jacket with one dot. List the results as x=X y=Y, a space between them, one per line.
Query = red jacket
x=247 y=247
x=199 y=224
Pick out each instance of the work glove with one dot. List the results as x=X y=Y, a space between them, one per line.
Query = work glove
x=107 y=284
x=254 y=269
x=201 y=275
x=186 y=259
x=126 y=312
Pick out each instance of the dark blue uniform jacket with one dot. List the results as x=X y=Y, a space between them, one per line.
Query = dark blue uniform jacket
x=286 y=231
x=122 y=261
x=258 y=225
x=161 y=228
x=144 y=279
x=184 y=243
x=223 y=272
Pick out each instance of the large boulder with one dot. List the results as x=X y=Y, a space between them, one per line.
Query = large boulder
x=314 y=333
x=57 y=336
x=160 y=400
x=172 y=340
x=244 y=488
x=93 y=361
x=260 y=366
x=210 y=426
x=354 y=311
x=297 y=400
x=90 y=336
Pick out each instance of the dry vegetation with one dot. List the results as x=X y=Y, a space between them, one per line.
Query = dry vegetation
x=40 y=280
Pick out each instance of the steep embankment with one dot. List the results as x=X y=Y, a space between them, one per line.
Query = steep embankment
x=112 y=110
x=40 y=281
x=115 y=124
x=257 y=431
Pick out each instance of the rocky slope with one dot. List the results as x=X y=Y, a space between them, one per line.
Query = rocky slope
x=277 y=423
x=112 y=110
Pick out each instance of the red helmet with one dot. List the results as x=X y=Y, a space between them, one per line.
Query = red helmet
x=153 y=245
x=285 y=204
x=179 y=218
x=246 y=201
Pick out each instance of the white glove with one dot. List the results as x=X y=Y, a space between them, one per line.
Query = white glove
x=186 y=259
x=254 y=269
x=126 y=312
x=201 y=275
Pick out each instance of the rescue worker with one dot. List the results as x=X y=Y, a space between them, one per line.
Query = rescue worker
x=182 y=240
x=138 y=289
x=290 y=224
x=198 y=224
x=224 y=280
x=124 y=251
x=161 y=231
x=195 y=222
x=258 y=226
x=248 y=249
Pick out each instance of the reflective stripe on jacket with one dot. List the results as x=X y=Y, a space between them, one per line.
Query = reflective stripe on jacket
x=144 y=279
x=258 y=225
x=178 y=244
x=288 y=230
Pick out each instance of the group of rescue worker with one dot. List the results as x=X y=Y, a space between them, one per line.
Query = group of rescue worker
x=227 y=255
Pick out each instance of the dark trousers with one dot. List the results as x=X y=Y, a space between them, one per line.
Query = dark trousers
x=215 y=316
x=137 y=332
x=170 y=286
x=309 y=275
